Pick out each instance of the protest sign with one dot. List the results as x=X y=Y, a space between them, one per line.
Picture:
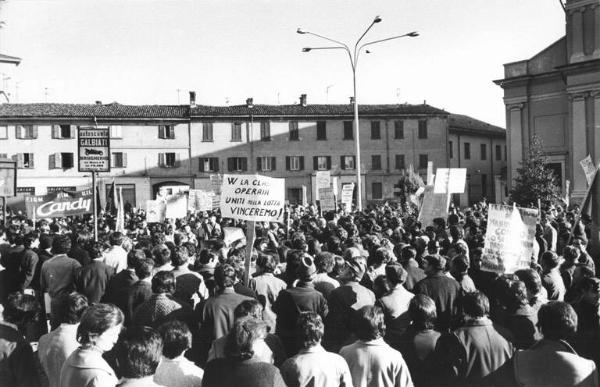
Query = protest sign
x=155 y=211
x=59 y=204
x=450 y=180
x=200 y=200
x=322 y=180
x=252 y=197
x=433 y=206
x=588 y=168
x=233 y=234
x=176 y=206
x=327 y=200
x=509 y=238
x=347 y=192
x=304 y=196
x=430 y=175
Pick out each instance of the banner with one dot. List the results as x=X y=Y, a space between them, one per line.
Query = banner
x=322 y=180
x=588 y=168
x=434 y=205
x=59 y=204
x=155 y=211
x=509 y=238
x=347 y=192
x=252 y=197
x=450 y=180
x=176 y=206
x=200 y=200
x=327 y=200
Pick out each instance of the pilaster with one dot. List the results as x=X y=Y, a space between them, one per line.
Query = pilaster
x=515 y=139
x=578 y=142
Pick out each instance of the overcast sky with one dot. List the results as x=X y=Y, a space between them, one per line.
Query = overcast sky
x=142 y=51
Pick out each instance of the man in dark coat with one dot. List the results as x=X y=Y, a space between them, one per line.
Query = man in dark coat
x=119 y=284
x=141 y=291
x=93 y=278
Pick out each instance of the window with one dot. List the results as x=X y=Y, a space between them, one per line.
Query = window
x=24 y=160
x=118 y=160
x=61 y=161
x=377 y=191
x=484 y=185
x=294 y=135
x=294 y=163
x=295 y=195
x=128 y=193
x=26 y=132
x=265 y=131
x=207 y=131
x=265 y=163
x=375 y=162
x=321 y=130
x=348 y=130
x=484 y=151
x=209 y=164
x=61 y=189
x=348 y=162
x=321 y=163
x=62 y=131
x=423 y=160
x=3 y=132
x=116 y=131
x=498 y=153
x=236 y=131
x=467 y=151
x=422 y=129
x=237 y=164
x=450 y=149
x=400 y=164
x=399 y=130
x=168 y=160
x=166 y=132
x=375 y=130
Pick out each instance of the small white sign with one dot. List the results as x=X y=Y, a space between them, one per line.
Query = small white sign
x=450 y=180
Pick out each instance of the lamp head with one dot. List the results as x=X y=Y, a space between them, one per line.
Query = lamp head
x=300 y=31
x=306 y=49
x=377 y=19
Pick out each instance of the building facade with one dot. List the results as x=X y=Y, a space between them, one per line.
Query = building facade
x=556 y=96
x=158 y=150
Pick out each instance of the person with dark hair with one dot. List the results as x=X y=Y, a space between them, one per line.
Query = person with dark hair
x=471 y=353
x=16 y=355
x=313 y=366
x=139 y=351
x=536 y=293
x=141 y=291
x=443 y=290
x=189 y=285
x=407 y=258
x=583 y=257
x=55 y=347
x=162 y=258
x=58 y=273
x=552 y=361
x=92 y=279
x=395 y=303
x=161 y=306
x=324 y=283
x=174 y=369
x=78 y=249
x=267 y=287
x=298 y=299
x=551 y=278
x=588 y=306
x=459 y=267
x=567 y=268
x=115 y=256
x=241 y=367
x=372 y=362
x=417 y=344
x=521 y=319
x=97 y=333
x=119 y=284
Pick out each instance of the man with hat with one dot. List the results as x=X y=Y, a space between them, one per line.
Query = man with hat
x=443 y=290
x=296 y=300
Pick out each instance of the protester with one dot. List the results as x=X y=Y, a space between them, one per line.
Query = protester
x=139 y=351
x=92 y=278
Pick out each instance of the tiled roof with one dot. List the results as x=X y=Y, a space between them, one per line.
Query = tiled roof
x=9 y=59
x=313 y=110
x=111 y=110
x=466 y=124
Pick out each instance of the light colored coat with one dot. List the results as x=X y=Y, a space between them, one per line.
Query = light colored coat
x=54 y=348
x=86 y=368
x=316 y=367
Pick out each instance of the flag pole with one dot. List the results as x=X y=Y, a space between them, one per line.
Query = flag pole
x=94 y=206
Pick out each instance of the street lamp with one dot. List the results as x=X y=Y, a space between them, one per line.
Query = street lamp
x=353 y=56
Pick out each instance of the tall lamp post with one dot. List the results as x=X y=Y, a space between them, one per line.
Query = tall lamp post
x=353 y=56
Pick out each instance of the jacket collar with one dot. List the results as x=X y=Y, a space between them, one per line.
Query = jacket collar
x=89 y=358
x=554 y=345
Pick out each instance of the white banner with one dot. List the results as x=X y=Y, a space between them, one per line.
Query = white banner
x=327 y=200
x=433 y=206
x=177 y=206
x=509 y=238
x=155 y=211
x=252 y=197
x=450 y=180
x=200 y=200
x=347 y=192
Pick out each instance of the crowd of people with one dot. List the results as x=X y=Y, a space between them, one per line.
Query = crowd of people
x=370 y=298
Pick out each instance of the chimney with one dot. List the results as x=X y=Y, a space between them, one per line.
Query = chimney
x=98 y=102
x=250 y=102
x=303 y=99
x=351 y=100
x=192 y=99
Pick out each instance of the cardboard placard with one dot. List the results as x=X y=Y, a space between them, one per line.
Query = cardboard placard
x=450 y=180
x=347 y=192
x=327 y=199
x=176 y=206
x=155 y=211
x=588 y=168
x=200 y=200
x=433 y=206
x=252 y=197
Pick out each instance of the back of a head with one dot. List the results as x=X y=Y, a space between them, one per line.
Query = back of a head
x=369 y=323
x=116 y=238
x=144 y=268
x=95 y=249
x=225 y=276
x=310 y=329
x=180 y=256
x=70 y=307
x=176 y=337
x=21 y=309
x=161 y=255
x=97 y=319
x=243 y=335
x=550 y=260
x=139 y=352
x=422 y=311
x=134 y=256
x=395 y=273
x=163 y=282
x=557 y=320
x=324 y=262
x=46 y=241
x=248 y=308
x=476 y=304
x=266 y=262
x=531 y=279
x=61 y=244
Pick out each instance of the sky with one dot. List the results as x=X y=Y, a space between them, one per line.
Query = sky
x=155 y=51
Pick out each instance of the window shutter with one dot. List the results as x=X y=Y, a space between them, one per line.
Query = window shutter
x=52 y=162
x=287 y=163
x=258 y=164
x=20 y=160
x=34 y=132
x=161 y=159
x=161 y=131
x=316 y=163
x=18 y=131
x=31 y=165
x=302 y=163
x=113 y=160
x=230 y=164
x=58 y=161
x=342 y=163
x=215 y=164
x=354 y=161
x=55 y=131
x=124 y=159
x=177 y=160
x=328 y=162
x=73 y=130
x=201 y=167
x=273 y=163
x=244 y=164
x=171 y=131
